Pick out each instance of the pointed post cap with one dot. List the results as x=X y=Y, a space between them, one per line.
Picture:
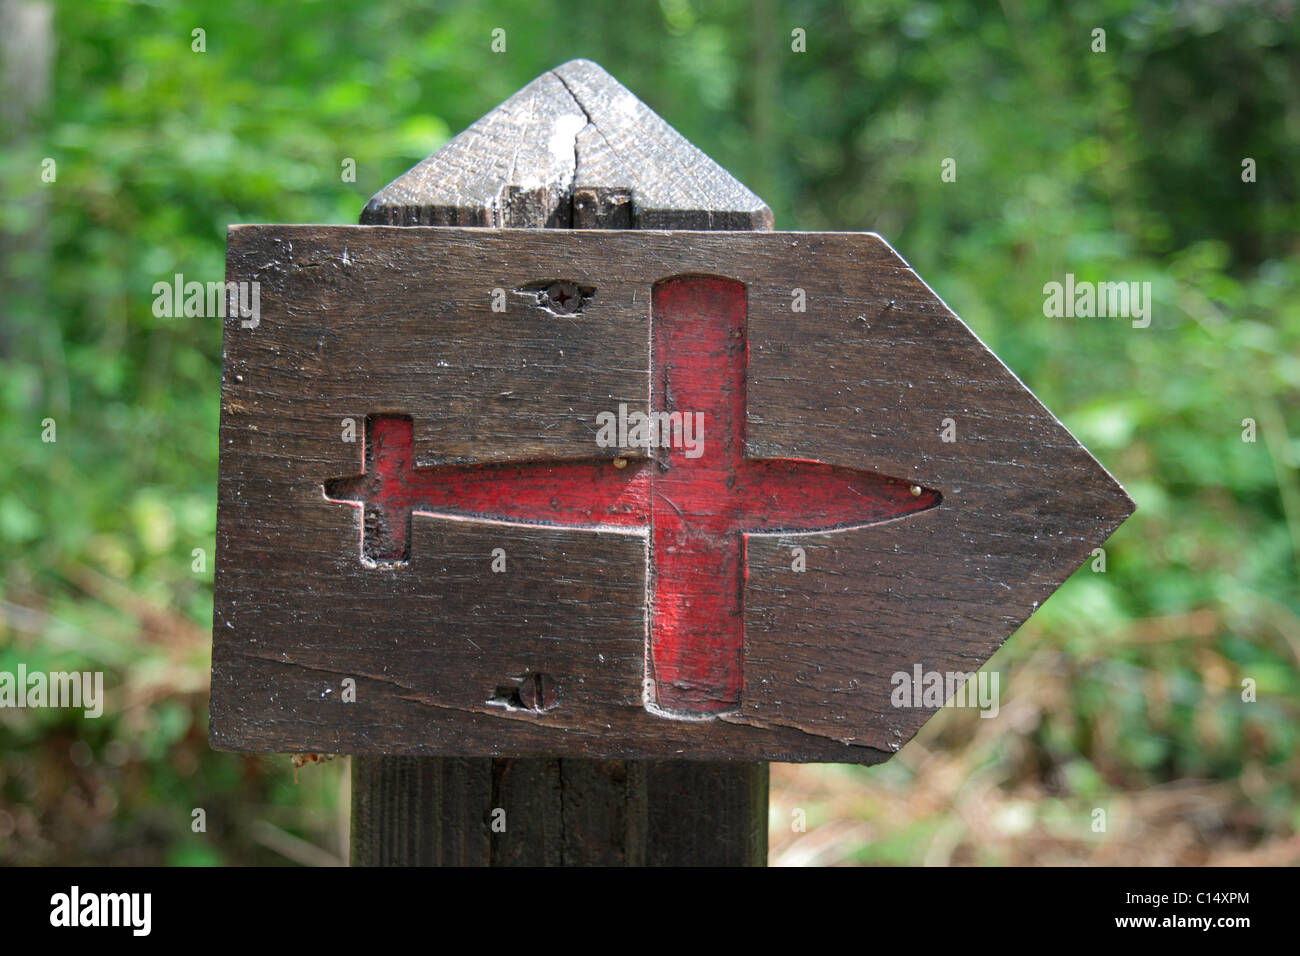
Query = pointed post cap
x=575 y=131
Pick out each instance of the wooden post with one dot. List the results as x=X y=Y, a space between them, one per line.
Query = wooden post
x=810 y=587
x=573 y=149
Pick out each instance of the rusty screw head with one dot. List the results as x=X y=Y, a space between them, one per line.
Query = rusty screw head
x=538 y=692
x=563 y=298
x=582 y=200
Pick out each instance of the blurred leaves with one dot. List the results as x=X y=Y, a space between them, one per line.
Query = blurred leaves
x=1123 y=692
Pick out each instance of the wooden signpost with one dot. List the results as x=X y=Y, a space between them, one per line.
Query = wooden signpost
x=564 y=532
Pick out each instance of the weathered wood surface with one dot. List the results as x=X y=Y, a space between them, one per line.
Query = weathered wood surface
x=421 y=811
x=574 y=810
x=574 y=148
x=399 y=321
x=584 y=153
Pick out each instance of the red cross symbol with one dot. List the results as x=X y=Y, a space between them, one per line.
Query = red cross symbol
x=697 y=510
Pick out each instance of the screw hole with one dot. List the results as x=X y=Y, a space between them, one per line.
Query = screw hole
x=535 y=691
x=560 y=296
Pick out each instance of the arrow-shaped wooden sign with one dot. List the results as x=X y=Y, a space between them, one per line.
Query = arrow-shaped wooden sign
x=619 y=494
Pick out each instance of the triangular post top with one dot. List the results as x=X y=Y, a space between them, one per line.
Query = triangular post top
x=578 y=146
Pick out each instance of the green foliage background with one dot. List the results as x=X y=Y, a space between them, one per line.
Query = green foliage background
x=1123 y=165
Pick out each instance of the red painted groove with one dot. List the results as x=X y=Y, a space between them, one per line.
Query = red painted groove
x=697 y=510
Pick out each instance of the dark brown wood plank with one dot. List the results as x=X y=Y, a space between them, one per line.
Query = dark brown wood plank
x=609 y=802
x=711 y=798
x=863 y=379
x=572 y=129
x=419 y=807
x=483 y=370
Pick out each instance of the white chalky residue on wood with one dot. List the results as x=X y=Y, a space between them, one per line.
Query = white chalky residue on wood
x=565 y=134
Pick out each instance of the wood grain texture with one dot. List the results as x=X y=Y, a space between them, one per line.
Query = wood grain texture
x=573 y=130
x=863 y=379
x=613 y=812
x=574 y=149
x=514 y=167
x=419 y=811
x=421 y=806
